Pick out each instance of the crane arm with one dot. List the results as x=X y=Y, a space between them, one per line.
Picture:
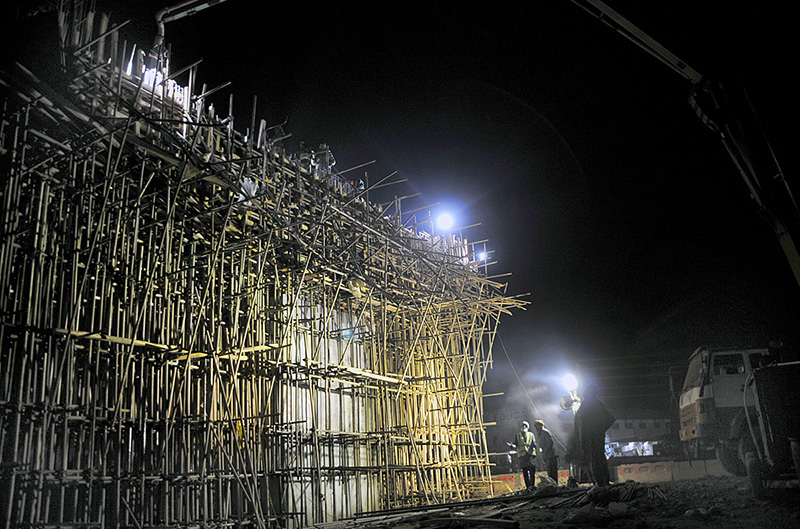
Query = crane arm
x=628 y=30
x=175 y=12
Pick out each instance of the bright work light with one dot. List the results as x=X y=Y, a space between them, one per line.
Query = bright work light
x=445 y=221
x=570 y=382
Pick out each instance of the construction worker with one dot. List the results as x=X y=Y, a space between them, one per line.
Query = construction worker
x=304 y=155
x=525 y=445
x=591 y=422
x=546 y=450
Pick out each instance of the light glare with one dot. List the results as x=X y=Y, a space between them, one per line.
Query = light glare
x=570 y=382
x=445 y=221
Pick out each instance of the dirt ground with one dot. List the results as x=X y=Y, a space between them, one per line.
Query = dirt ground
x=710 y=502
x=724 y=502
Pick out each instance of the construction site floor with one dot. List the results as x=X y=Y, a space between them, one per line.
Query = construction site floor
x=708 y=502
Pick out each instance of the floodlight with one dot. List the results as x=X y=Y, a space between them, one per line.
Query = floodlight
x=570 y=382
x=481 y=256
x=445 y=221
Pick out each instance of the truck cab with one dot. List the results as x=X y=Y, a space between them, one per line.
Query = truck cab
x=711 y=402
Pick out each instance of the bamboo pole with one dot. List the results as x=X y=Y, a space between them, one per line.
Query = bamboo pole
x=180 y=352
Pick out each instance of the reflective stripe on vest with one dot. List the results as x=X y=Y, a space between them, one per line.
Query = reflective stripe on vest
x=525 y=445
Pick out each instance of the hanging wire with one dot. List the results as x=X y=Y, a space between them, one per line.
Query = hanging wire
x=510 y=363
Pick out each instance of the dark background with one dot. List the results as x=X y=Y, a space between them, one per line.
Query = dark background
x=577 y=152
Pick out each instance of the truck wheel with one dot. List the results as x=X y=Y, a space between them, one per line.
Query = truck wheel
x=753 y=466
x=728 y=455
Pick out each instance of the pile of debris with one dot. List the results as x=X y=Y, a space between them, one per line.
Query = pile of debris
x=543 y=504
x=706 y=503
x=601 y=504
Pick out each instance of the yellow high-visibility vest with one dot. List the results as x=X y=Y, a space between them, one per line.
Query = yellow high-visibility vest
x=525 y=444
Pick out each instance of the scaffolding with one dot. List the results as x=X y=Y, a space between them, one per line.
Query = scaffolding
x=201 y=329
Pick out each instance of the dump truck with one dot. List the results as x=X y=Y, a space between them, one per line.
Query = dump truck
x=739 y=403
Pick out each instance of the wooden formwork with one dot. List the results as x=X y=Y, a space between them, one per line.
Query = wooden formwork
x=199 y=329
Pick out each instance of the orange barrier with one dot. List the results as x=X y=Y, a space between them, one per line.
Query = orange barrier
x=649 y=472
x=646 y=472
x=502 y=483
x=563 y=476
x=512 y=482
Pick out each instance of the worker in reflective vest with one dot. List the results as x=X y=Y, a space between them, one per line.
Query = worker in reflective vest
x=526 y=453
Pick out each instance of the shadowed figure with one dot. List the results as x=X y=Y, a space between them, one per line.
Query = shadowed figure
x=546 y=449
x=591 y=422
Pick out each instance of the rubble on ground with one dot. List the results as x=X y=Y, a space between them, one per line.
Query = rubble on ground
x=711 y=502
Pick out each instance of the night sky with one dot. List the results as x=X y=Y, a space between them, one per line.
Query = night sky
x=600 y=191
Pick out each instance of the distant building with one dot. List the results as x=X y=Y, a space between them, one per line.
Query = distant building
x=641 y=433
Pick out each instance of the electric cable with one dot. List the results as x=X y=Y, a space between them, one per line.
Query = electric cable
x=556 y=439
